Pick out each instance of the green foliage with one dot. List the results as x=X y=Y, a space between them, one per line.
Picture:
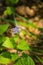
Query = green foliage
x=8 y=11
x=4 y=60
x=14 y=57
x=2 y=39
x=8 y=43
x=3 y=28
x=11 y=56
x=25 y=60
x=12 y=1
x=7 y=57
x=23 y=45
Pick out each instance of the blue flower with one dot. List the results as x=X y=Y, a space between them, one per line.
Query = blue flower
x=15 y=30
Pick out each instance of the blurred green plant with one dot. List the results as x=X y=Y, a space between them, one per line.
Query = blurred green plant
x=9 y=45
x=8 y=11
x=12 y=1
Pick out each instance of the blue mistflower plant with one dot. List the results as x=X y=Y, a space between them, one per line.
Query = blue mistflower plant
x=15 y=30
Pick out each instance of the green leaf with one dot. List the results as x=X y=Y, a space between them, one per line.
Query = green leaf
x=6 y=54
x=14 y=56
x=16 y=38
x=3 y=28
x=12 y=1
x=8 y=11
x=13 y=42
x=8 y=43
x=2 y=39
x=23 y=45
x=11 y=56
x=4 y=60
x=25 y=60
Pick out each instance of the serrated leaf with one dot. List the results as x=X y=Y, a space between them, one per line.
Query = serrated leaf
x=14 y=56
x=23 y=45
x=11 y=56
x=8 y=43
x=4 y=60
x=25 y=60
x=3 y=28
